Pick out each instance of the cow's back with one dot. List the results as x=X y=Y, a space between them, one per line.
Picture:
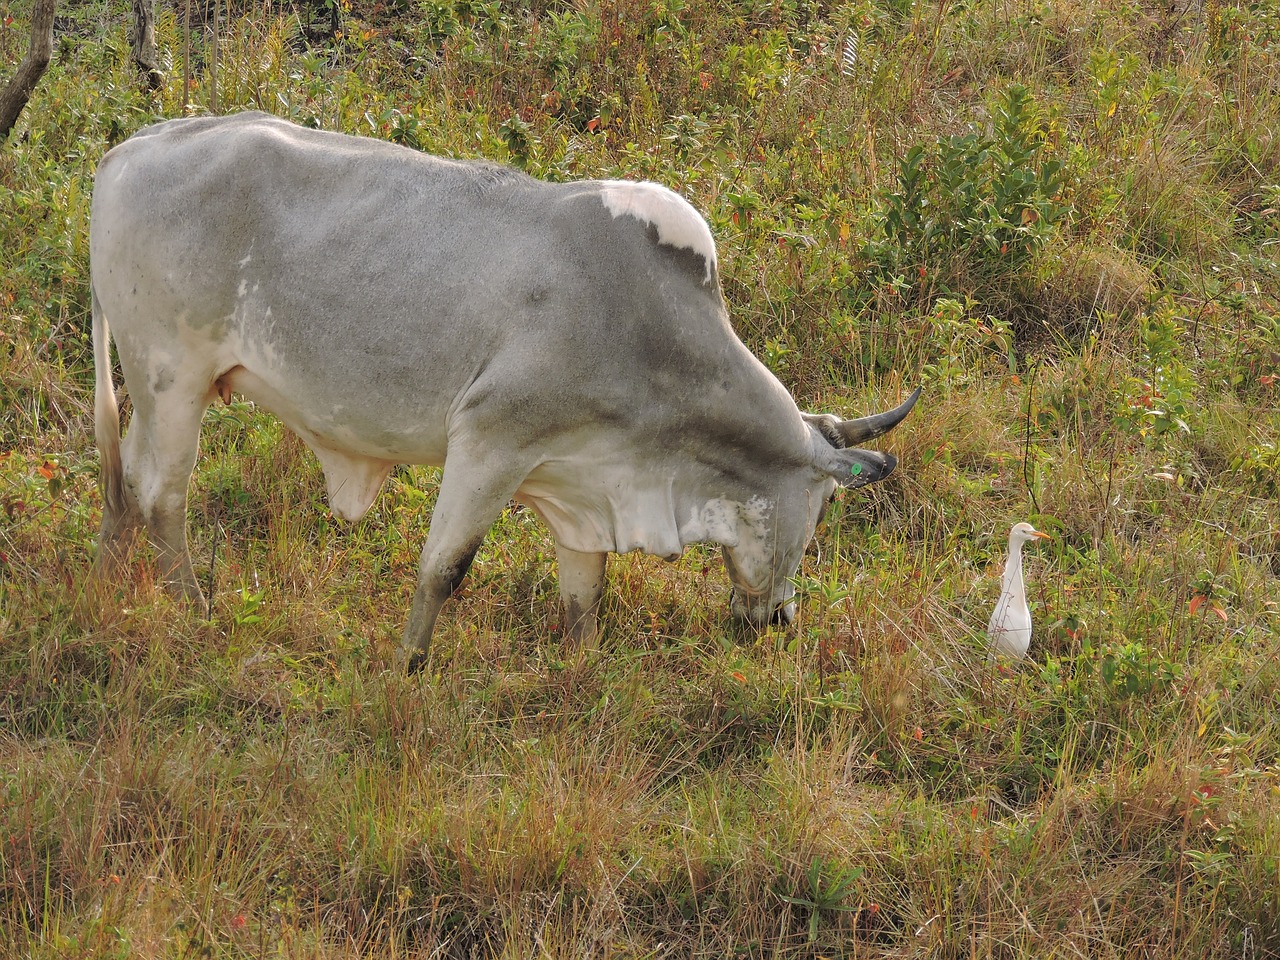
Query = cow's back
x=389 y=291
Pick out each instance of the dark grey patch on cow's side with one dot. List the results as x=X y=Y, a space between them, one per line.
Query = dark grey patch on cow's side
x=684 y=259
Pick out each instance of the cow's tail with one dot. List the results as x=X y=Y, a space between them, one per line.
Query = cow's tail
x=106 y=419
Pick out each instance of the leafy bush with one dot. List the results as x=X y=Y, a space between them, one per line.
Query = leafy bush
x=967 y=214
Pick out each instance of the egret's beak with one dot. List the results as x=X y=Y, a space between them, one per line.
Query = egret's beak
x=1041 y=535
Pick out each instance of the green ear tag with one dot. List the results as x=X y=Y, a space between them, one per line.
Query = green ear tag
x=856 y=469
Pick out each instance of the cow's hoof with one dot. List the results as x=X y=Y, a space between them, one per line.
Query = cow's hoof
x=414 y=662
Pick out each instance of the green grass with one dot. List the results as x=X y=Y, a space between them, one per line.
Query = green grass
x=1061 y=216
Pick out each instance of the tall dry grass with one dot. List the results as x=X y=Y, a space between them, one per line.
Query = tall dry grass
x=257 y=779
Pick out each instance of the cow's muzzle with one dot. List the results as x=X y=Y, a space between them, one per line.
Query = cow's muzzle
x=758 y=614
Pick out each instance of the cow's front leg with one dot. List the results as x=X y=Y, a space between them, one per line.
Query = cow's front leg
x=470 y=500
x=581 y=587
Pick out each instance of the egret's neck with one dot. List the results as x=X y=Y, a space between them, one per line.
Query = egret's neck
x=1013 y=570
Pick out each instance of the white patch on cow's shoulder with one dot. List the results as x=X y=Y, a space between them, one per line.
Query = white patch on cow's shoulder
x=716 y=522
x=677 y=222
x=757 y=510
x=729 y=523
x=755 y=546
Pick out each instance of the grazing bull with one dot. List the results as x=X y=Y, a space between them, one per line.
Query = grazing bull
x=565 y=345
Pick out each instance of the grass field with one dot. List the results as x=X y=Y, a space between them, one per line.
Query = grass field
x=1062 y=217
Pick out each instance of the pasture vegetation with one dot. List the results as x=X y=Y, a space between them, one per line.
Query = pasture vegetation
x=1062 y=216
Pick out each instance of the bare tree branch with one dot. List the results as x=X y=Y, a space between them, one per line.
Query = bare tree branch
x=143 y=29
x=23 y=84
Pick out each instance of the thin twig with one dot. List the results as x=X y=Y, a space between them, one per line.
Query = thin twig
x=186 y=61
x=1026 y=442
x=213 y=63
x=213 y=556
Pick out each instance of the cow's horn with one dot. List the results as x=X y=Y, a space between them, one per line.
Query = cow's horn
x=867 y=428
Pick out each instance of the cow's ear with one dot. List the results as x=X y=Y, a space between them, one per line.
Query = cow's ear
x=858 y=467
x=853 y=467
x=827 y=425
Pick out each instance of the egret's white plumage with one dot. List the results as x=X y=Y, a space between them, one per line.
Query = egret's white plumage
x=1009 y=629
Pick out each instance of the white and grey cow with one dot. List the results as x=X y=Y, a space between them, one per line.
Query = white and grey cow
x=562 y=344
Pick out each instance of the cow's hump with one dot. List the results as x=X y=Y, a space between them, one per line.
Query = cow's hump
x=678 y=224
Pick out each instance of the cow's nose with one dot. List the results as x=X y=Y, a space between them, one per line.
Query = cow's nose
x=782 y=614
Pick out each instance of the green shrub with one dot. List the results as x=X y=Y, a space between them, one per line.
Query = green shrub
x=968 y=214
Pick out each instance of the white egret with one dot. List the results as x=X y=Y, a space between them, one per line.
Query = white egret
x=1009 y=629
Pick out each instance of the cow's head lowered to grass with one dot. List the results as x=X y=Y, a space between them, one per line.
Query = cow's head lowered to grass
x=565 y=345
x=762 y=565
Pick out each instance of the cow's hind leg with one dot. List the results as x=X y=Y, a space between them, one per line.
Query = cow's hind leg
x=159 y=453
x=121 y=526
x=581 y=587
x=471 y=497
